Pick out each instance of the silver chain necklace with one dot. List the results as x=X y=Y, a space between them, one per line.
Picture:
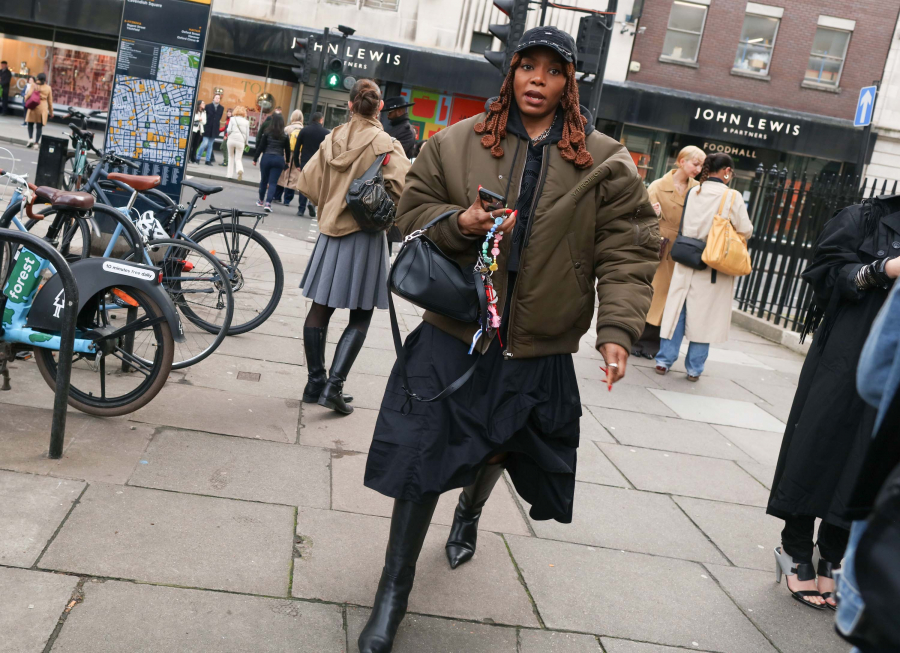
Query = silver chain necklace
x=544 y=134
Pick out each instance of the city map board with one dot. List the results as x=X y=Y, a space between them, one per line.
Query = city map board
x=160 y=56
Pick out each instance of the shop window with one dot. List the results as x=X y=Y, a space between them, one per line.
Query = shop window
x=390 y=5
x=244 y=90
x=684 y=32
x=754 y=54
x=82 y=78
x=647 y=148
x=480 y=42
x=826 y=61
x=25 y=57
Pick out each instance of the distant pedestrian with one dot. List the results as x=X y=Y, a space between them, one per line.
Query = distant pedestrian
x=272 y=152
x=222 y=130
x=287 y=182
x=237 y=136
x=348 y=268
x=698 y=305
x=39 y=105
x=197 y=130
x=399 y=127
x=308 y=142
x=30 y=80
x=5 y=81
x=667 y=195
x=829 y=429
x=214 y=113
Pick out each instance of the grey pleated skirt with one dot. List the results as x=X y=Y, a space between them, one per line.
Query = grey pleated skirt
x=348 y=271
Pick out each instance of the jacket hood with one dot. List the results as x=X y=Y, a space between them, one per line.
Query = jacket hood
x=588 y=128
x=350 y=140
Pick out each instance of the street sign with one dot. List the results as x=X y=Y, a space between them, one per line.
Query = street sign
x=864 y=106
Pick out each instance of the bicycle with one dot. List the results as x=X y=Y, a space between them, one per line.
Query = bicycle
x=31 y=317
x=194 y=278
x=81 y=141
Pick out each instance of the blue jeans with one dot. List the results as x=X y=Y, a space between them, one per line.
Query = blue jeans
x=301 y=203
x=668 y=350
x=851 y=604
x=270 y=168
x=285 y=191
x=206 y=145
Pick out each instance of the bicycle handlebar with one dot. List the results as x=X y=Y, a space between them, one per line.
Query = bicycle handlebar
x=16 y=179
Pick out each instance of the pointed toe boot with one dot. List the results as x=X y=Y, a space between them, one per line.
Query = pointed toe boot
x=460 y=545
x=332 y=395
x=409 y=525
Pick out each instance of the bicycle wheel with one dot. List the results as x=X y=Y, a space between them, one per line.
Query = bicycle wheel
x=74 y=238
x=197 y=284
x=254 y=269
x=133 y=357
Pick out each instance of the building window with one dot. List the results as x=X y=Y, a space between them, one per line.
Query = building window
x=481 y=42
x=684 y=31
x=382 y=4
x=754 y=54
x=827 y=57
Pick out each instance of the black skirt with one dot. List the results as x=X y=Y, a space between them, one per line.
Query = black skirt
x=528 y=408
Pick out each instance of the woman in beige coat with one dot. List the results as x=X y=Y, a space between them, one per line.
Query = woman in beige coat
x=699 y=301
x=667 y=196
x=348 y=268
x=37 y=117
x=287 y=182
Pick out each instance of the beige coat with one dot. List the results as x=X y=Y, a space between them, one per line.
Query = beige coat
x=344 y=155
x=45 y=109
x=708 y=304
x=291 y=175
x=671 y=204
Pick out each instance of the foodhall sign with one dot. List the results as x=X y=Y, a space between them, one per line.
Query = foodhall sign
x=735 y=123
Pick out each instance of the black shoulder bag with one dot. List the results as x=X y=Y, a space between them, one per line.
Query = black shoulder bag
x=688 y=251
x=368 y=199
x=425 y=277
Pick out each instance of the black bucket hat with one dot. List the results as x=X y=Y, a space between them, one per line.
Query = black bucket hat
x=549 y=37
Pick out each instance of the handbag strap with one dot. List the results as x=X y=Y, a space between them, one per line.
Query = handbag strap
x=401 y=352
x=373 y=170
x=683 y=211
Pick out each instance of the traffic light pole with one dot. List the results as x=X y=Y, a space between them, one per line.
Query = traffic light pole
x=609 y=21
x=315 y=102
x=544 y=11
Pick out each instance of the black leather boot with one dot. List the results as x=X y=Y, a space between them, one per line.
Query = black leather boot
x=347 y=349
x=464 y=531
x=409 y=525
x=314 y=340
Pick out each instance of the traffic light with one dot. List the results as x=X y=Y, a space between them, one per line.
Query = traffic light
x=509 y=34
x=333 y=76
x=592 y=37
x=303 y=54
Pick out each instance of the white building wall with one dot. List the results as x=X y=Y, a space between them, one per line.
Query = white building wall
x=442 y=24
x=885 y=162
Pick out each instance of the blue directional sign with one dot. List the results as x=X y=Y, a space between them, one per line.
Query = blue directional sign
x=864 y=106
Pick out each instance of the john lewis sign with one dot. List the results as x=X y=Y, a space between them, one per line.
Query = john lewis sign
x=754 y=126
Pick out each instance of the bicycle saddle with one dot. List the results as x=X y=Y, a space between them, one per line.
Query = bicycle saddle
x=65 y=199
x=137 y=182
x=81 y=132
x=202 y=188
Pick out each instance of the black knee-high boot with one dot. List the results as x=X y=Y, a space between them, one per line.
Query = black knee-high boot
x=464 y=531
x=314 y=342
x=409 y=525
x=347 y=349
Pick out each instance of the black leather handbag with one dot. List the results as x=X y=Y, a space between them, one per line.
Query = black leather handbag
x=688 y=251
x=425 y=277
x=368 y=199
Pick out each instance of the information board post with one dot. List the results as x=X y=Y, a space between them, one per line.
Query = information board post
x=162 y=44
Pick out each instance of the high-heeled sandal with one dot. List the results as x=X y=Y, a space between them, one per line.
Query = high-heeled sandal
x=785 y=565
x=827 y=570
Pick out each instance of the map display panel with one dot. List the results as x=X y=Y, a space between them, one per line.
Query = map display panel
x=178 y=66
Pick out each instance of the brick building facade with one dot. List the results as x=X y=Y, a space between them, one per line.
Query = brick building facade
x=870 y=24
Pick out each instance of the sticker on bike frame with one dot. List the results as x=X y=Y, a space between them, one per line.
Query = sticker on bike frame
x=129 y=271
x=23 y=280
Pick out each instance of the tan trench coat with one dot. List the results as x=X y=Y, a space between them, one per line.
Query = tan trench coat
x=671 y=204
x=291 y=175
x=344 y=155
x=708 y=304
x=44 y=110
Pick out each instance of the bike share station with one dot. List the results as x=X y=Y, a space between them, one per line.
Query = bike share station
x=66 y=308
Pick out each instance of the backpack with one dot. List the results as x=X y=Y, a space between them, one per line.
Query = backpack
x=33 y=101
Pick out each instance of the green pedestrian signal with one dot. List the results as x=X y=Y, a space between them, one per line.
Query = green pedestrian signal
x=333 y=80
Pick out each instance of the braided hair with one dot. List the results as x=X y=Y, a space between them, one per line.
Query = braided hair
x=713 y=163
x=572 y=146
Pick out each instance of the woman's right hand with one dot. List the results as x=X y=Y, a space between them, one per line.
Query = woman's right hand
x=475 y=221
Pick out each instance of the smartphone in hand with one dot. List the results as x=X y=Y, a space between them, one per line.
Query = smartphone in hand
x=490 y=201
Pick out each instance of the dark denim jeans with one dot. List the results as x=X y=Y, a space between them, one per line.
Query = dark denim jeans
x=270 y=168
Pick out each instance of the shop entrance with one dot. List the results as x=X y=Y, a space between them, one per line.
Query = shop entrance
x=331 y=103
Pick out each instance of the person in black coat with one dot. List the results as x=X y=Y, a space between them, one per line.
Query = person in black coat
x=829 y=428
x=5 y=81
x=308 y=141
x=214 y=112
x=398 y=124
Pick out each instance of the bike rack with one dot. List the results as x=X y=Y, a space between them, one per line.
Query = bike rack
x=67 y=336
